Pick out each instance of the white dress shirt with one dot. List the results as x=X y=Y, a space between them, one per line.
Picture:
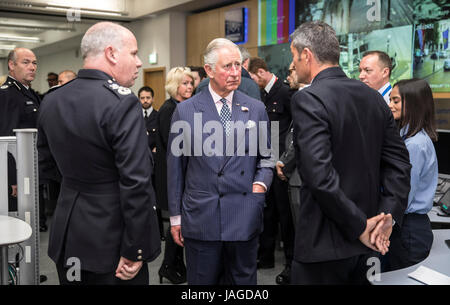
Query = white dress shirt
x=149 y=110
x=386 y=91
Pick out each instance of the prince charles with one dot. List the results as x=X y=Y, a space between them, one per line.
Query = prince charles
x=218 y=174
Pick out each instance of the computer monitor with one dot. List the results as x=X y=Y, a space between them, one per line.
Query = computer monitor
x=442 y=147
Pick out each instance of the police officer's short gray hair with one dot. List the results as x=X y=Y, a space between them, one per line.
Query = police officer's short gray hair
x=101 y=35
x=320 y=38
x=244 y=53
x=210 y=57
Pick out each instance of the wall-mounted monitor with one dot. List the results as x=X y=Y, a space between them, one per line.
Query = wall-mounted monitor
x=236 y=25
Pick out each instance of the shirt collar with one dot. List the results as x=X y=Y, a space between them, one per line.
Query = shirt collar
x=149 y=110
x=381 y=90
x=25 y=86
x=217 y=98
x=270 y=84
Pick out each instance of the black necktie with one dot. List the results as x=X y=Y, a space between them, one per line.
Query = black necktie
x=145 y=114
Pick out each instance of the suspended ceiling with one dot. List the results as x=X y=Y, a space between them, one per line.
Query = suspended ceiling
x=58 y=24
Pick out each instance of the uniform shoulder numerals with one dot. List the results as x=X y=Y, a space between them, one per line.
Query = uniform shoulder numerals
x=119 y=90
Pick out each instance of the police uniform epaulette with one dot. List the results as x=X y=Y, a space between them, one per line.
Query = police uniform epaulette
x=117 y=89
x=4 y=86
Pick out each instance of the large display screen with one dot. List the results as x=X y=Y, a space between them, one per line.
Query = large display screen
x=414 y=33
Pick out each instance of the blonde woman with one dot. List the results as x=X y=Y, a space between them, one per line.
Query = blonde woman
x=180 y=86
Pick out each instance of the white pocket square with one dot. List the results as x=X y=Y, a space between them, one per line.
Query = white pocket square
x=250 y=124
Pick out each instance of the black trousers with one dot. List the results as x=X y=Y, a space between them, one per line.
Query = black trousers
x=91 y=278
x=277 y=213
x=349 y=271
x=172 y=251
x=410 y=243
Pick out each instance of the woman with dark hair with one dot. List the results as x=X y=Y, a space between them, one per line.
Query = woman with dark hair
x=412 y=106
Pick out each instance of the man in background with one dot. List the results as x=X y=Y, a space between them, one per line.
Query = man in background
x=66 y=76
x=199 y=75
x=375 y=70
x=277 y=213
x=145 y=95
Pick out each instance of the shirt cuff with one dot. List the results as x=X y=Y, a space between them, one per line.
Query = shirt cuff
x=281 y=162
x=262 y=184
x=175 y=220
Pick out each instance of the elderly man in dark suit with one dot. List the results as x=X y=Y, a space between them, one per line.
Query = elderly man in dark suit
x=92 y=129
x=353 y=164
x=219 y=178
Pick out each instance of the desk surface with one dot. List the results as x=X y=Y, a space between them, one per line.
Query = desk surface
x=438 y=260
x=13 y=230
x=435 y=218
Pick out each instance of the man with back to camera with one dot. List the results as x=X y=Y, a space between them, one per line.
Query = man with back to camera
x=217 y=197
x=353 y=164
x=276 y=96
x=375 y=70
x=92 y=129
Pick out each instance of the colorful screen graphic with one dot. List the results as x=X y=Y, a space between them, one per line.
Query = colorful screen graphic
x=276 y=21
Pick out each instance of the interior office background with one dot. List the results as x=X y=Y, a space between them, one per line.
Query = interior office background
x=176 y=33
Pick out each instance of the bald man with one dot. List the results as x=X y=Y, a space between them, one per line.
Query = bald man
x=93 y=129
x=19 y=102
x=66 y=76
x=18 y=109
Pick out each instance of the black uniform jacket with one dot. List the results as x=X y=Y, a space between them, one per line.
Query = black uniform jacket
x=93 y=129
x=353 y=164
x=151 y=126
x=278 y=107
x=18 y=107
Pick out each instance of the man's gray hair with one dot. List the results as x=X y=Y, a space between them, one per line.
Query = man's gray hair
x=320 y=38
x=244 y=53
x=101 y=35
x=210 y=57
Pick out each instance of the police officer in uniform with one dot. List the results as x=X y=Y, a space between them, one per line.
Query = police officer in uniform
x=19 y=106
x=92 y=128
x=277 y=98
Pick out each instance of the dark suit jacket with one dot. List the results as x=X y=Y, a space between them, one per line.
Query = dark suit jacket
x=151 y=124
x=278 y=107
x=93 y=130
x=213 y=193
x=289 y=161
x=163 y=129
x=352 y=162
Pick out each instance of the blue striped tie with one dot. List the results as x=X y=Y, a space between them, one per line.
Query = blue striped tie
x=225 y=116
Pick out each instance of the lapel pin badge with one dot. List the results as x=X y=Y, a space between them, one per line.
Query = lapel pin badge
x=245 y=109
